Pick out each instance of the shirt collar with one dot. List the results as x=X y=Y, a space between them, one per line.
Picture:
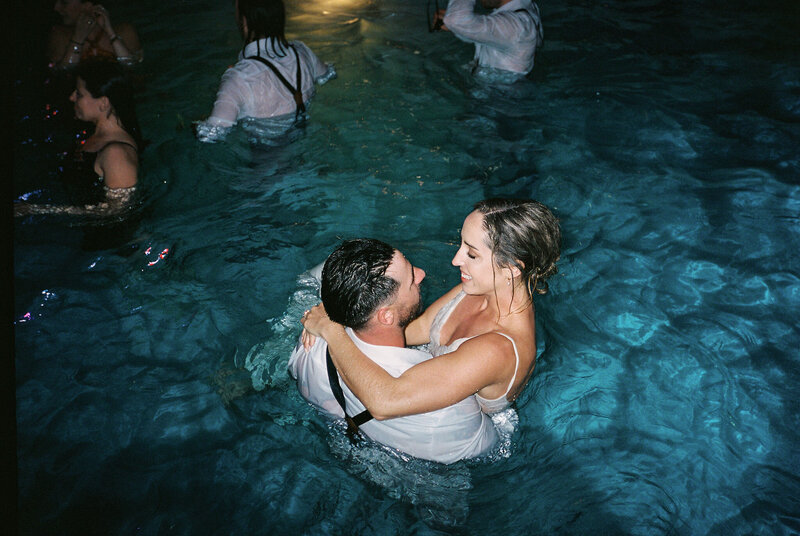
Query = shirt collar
x=263 y=47
x=514 y=5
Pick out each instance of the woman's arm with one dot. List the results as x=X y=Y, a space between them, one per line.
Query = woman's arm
x=57 y=45
x=419 y=330
x=124 y=39
x=118 y=164
x=113 y=204
x=126 y=45
x=430 y=385
x=65 y=47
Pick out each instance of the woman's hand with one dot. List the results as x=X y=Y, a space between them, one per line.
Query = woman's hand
x=314 y=321
x=84 y=26
x=104 y=20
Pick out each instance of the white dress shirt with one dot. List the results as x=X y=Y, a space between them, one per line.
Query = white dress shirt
x=446 y=435
x=249 y=89
x=506 y=39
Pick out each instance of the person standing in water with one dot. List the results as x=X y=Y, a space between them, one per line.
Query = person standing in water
x=103 y=97
x=86 y=33
x=274 y=78
x=505 y=40
x=482 y=333
x=371 y=288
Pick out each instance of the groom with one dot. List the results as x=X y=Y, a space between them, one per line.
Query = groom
x=372 y=289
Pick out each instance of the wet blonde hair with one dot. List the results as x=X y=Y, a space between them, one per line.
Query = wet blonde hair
x=525 y=234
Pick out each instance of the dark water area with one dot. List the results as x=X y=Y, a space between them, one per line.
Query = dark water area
x=148 y=391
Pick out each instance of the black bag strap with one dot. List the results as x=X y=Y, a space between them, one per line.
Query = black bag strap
x=333 y=378
x=296 y=92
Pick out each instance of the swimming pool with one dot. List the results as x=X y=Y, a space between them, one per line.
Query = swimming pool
x=151 y=389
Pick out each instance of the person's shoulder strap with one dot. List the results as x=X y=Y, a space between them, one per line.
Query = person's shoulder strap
x=333 y=379
x=112 y=142
x=297 y=92
x=516 y=357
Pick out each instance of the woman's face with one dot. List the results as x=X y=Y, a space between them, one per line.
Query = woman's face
x=474 y=258
x=87 y=108
x=69 y=10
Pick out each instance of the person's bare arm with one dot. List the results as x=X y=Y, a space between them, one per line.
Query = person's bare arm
x=65 y=48
x=427 y=386
x=118 y=164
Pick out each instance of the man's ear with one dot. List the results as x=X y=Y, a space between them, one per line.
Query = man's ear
x=105 y=104
x=385 y=316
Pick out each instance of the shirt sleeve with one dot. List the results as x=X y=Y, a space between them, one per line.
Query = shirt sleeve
x=225 y=112
x=230 y=95
x=322 y=72
x=498 y=29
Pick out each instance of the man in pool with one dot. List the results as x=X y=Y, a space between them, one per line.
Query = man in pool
x=505 y=39
x=374 y=291
x=274 y=79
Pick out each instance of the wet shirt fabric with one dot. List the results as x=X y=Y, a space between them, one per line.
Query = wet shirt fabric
x=446 y=435
x=505 y=40
x=249 y=89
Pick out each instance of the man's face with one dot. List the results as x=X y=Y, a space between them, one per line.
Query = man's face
x=408 y=297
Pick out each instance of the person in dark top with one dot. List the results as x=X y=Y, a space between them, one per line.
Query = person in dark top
x=86 y=33
x=103 y=97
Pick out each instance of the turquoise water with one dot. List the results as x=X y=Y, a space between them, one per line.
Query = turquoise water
x=151 y=389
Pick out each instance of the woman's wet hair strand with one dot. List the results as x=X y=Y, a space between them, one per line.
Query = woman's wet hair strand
x=523 y=233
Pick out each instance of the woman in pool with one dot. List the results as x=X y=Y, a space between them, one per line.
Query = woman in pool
x=481 y=333
x=103 y=97
x=86 y=32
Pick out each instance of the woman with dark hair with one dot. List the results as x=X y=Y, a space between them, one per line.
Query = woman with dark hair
x=274 y=78
x=86 y=32
x=102 y=96
x=482 y=333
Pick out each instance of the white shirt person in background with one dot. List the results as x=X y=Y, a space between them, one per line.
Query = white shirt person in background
x=274 y=78
x=505 y=40
x=373 y=290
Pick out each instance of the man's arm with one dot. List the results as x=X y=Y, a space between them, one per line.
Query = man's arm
x=498 y=29
x=225 y=112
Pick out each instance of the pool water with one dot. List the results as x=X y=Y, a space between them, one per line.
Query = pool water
x=151 y=387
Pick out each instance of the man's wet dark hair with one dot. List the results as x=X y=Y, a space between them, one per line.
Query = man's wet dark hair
x=265 y=18
x=354 y=281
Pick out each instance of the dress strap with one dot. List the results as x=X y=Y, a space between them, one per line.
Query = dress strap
x=516 y=366
x=112 y=142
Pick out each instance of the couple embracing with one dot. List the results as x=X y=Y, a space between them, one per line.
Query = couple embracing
x=480 y=335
